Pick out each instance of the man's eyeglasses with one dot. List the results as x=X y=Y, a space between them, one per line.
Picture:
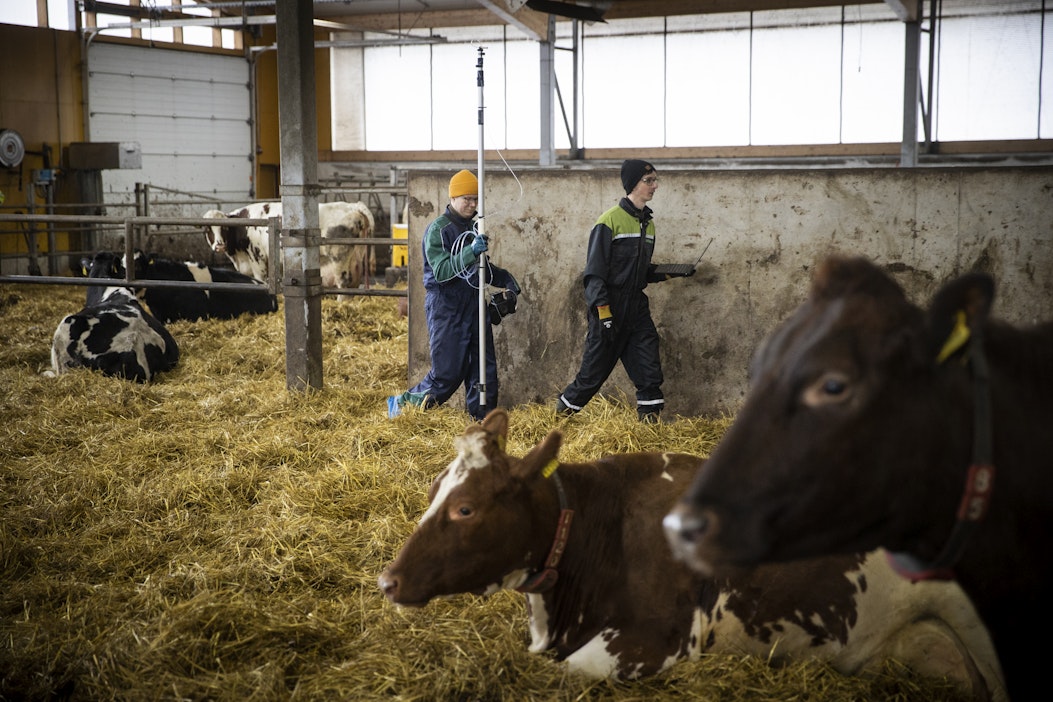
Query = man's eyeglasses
x=650 y=180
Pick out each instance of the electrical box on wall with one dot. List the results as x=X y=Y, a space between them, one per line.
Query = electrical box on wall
x=100 y=155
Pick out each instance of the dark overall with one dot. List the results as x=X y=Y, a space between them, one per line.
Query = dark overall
x=616 y=272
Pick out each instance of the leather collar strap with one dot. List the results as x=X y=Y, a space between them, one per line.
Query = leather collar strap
x=979 y=480
x=545 y=578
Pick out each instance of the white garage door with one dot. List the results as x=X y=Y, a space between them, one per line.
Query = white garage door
x=189 y=112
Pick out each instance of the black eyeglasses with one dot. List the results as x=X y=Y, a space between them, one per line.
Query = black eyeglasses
x=650 y=180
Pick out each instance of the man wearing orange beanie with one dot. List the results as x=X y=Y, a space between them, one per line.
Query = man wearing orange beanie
x=452 y=248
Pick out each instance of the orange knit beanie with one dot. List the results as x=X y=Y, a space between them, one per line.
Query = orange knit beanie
x=463 y=183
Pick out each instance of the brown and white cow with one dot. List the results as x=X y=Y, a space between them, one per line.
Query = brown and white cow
x=871 y=422
x=584 y=541
x=341 y=265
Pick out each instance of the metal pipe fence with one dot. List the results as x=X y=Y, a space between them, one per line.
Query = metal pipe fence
x=135 y=226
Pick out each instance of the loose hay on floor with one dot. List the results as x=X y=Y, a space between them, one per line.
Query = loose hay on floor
x=214 y=536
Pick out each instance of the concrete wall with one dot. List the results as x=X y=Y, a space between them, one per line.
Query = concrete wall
x=768 y=228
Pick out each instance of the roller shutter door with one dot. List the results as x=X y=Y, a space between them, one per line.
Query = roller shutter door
x=189 y=112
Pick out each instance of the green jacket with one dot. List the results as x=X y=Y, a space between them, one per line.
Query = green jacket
x=619 y=258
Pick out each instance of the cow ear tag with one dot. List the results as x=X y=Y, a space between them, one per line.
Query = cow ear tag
x=501 y=442
x=550 y=468
x=957 y=338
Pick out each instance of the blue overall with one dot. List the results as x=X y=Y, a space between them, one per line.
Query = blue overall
x=451 y=307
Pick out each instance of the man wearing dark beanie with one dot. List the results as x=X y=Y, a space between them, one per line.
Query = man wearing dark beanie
x=617 y=269
x=633 y=170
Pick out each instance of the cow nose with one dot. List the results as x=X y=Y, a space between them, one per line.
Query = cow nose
x=389 y=585
x=685 y=526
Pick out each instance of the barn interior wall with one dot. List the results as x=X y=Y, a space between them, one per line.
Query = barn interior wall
x=768 y=229
x=268 y=151
x=41 y=99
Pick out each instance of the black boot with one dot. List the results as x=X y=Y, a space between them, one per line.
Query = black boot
x=562 y=410
x=649 y=416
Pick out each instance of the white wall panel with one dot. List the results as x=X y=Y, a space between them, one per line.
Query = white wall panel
x=189 y=112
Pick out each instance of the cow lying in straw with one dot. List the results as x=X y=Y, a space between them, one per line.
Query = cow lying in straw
x=113 y=333
x=584 y=541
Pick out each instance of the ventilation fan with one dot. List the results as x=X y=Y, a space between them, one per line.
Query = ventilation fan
x=12 y=148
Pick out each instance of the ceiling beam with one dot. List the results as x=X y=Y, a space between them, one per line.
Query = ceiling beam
x=906 y=10
x=533 y=24
x=406 y=21
x=536 y=22
x=628 y=9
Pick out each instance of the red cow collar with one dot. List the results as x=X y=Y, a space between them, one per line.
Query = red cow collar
x=979 y=480
x=546 y=578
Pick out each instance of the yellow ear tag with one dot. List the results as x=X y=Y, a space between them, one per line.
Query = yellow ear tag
x=550 y=468
x=958 y=336
x=501 y=442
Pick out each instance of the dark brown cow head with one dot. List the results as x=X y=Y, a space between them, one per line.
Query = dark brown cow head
x=490 y=520
x=840 y=444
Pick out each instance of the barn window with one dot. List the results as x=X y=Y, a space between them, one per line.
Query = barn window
x=820 y=75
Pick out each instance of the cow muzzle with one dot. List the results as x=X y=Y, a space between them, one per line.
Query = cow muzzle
x=690 y=534
x=390 y=584
x=215 y=240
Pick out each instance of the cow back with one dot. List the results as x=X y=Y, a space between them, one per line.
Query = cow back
x=115 y=336
x=170 y=304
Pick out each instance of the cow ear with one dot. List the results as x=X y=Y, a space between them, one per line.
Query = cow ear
x=959 y=307
x=541 y=457
x=496 y=423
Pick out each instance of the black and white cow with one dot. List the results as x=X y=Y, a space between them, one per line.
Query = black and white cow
x=246 y=247
x=341 y=266
x=113 y=333
x=170 y=304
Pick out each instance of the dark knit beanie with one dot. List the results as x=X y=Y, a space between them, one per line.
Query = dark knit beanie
x=633 y=170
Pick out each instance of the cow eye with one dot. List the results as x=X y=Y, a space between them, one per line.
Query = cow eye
x=462 y=512
x=830 y=388
x=834 y=386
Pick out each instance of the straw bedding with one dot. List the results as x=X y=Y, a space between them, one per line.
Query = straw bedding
x=214 y=536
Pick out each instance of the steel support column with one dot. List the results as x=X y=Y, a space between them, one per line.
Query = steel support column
x=301 y=278
x=911 y=92
x=547 y=152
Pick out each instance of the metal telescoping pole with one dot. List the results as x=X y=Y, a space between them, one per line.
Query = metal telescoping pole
x=481 y=228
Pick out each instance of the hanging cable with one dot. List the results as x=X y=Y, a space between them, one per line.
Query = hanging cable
x=481 y=227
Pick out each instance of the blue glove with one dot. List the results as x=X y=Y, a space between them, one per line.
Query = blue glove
x=479 y=244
